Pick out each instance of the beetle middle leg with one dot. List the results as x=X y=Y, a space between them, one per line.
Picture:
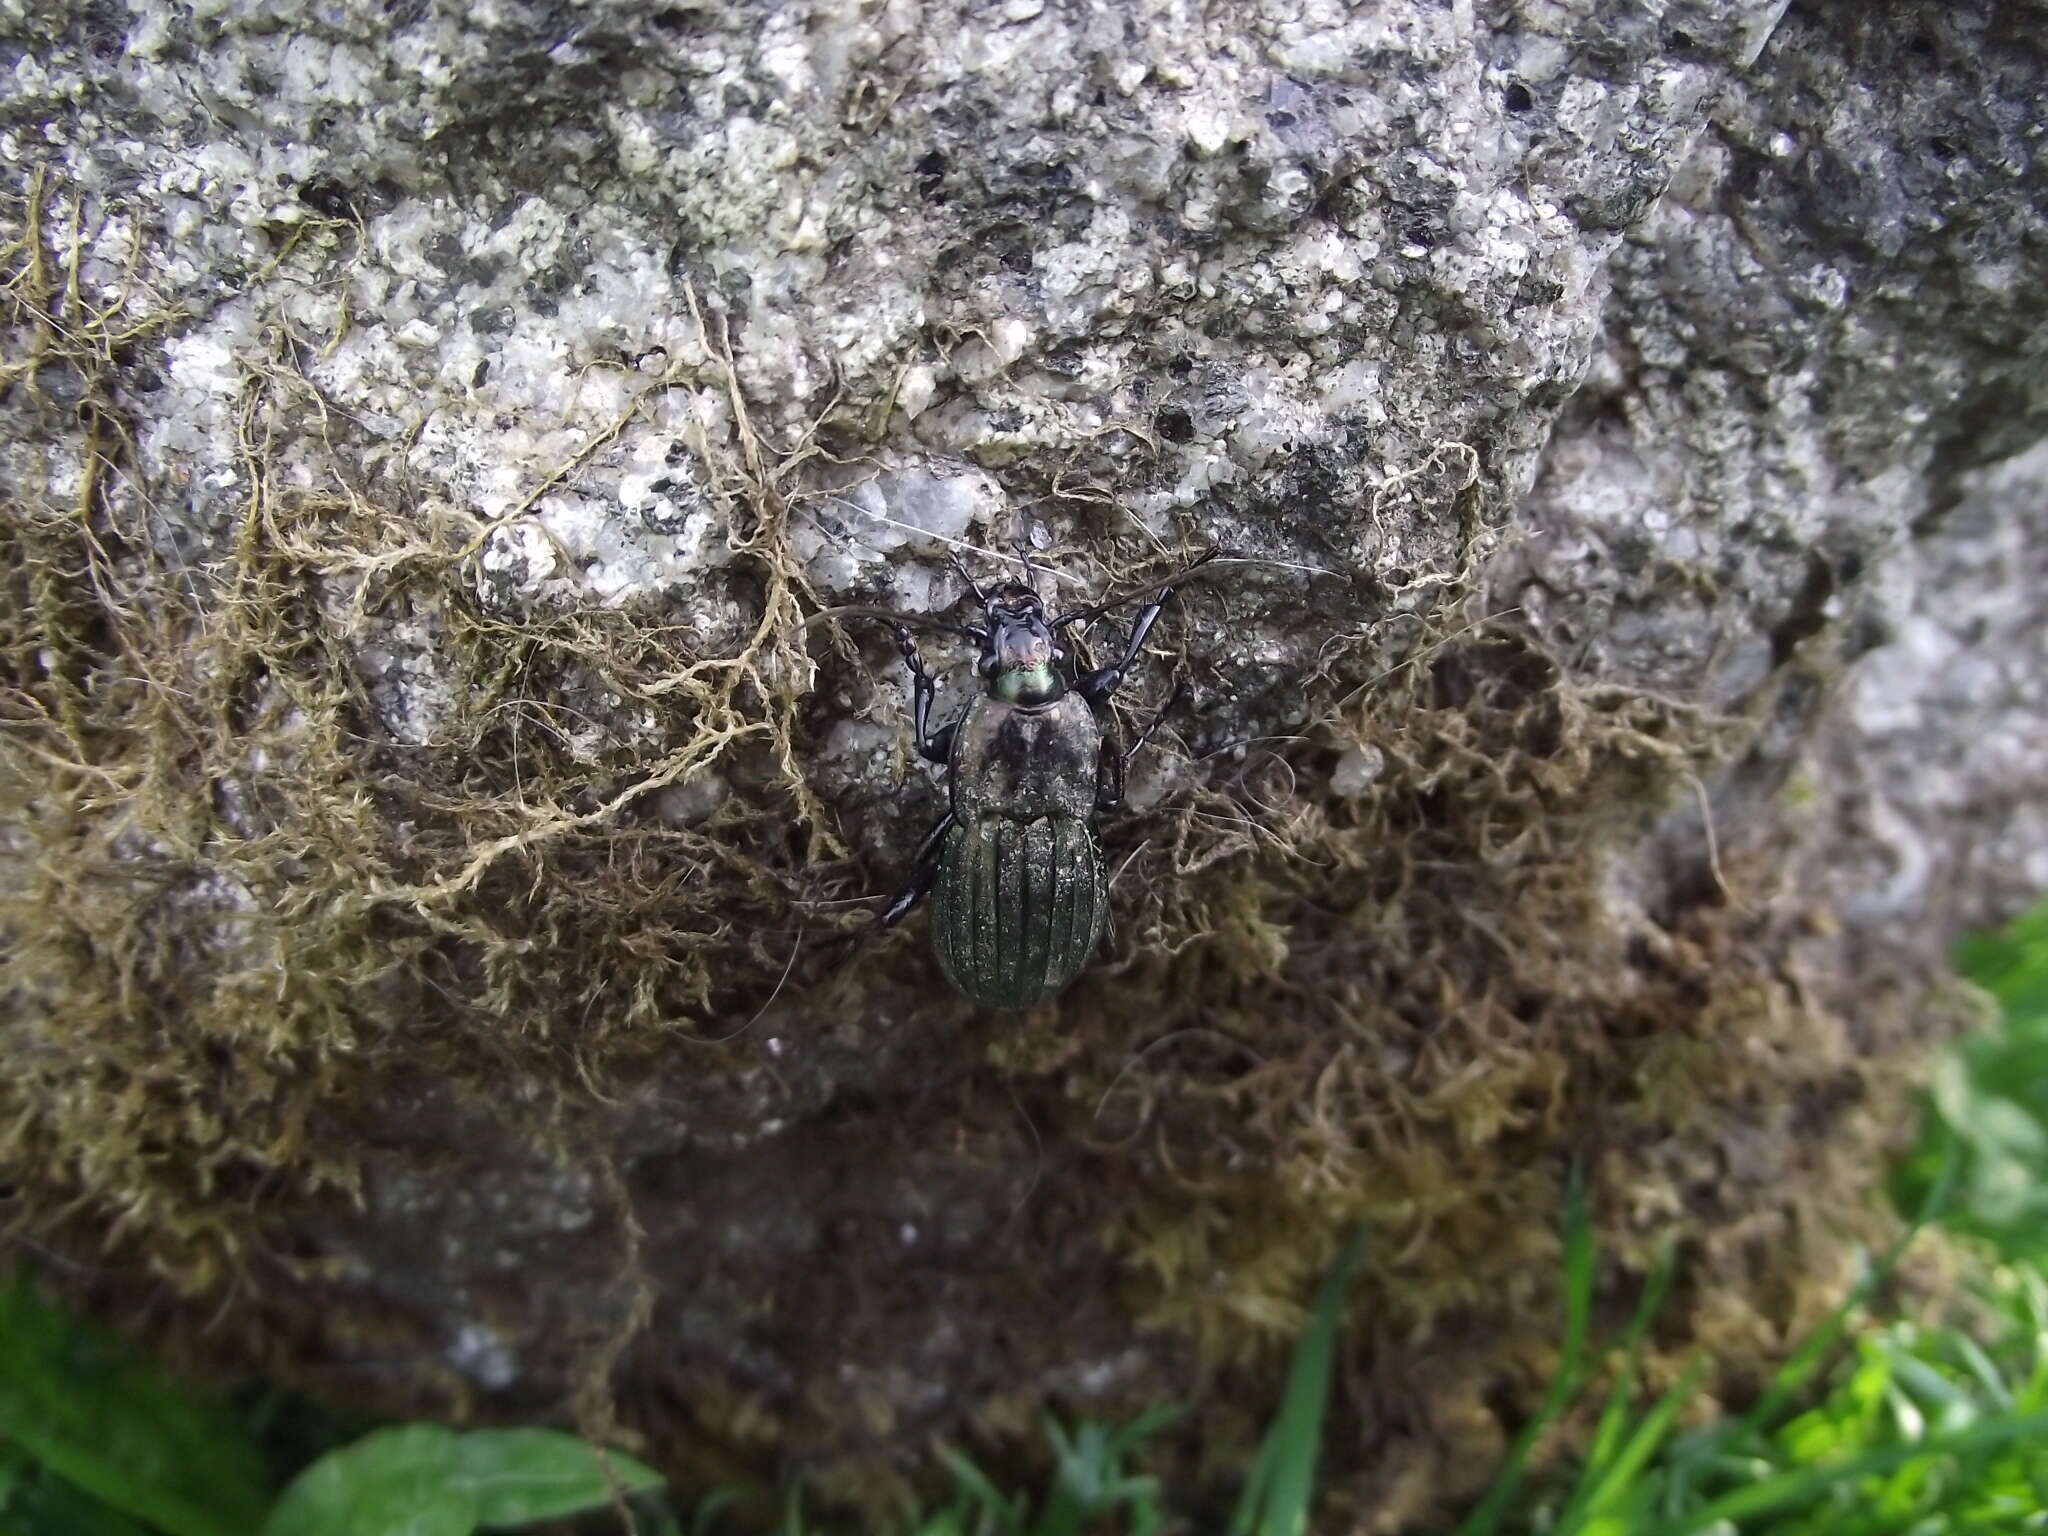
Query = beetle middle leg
x=924 y=873
x=933 y=746
x=1116 y=758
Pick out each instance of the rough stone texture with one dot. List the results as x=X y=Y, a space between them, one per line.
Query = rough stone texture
x=1815 y=346
x=1621 y=409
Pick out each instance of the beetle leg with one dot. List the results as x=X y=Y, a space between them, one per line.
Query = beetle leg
x=1116 y=759
x=924 y=873
x=1180 y=691
x=1109 y=767
x=934 y=748
x=1098 y=685
x=973 y=586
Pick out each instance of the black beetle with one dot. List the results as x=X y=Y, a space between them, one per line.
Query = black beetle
x=1019 y=897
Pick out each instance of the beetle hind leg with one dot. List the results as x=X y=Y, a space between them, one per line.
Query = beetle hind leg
x=924 y=874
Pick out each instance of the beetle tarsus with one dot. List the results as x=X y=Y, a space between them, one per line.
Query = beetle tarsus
x=973 y=586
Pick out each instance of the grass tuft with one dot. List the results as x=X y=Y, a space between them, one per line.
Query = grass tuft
x=1278 y=1490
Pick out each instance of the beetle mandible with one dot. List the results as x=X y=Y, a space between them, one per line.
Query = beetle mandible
x=1019 y=897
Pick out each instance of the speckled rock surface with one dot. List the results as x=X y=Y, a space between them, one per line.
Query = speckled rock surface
x=1614 y=412
x=1813 y=429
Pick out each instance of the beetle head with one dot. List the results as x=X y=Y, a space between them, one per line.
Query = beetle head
x=1018 y=651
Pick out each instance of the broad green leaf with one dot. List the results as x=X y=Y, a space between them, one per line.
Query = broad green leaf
x=80 y=1403
x=392 y=1482
x=519 y=1476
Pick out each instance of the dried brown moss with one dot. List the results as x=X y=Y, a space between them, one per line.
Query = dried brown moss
x=234 y=893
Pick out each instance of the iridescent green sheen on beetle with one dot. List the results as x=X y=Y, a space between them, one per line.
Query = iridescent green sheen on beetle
x=1019 y=897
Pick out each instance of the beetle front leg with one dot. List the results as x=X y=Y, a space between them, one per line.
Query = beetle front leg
x=924 y=873
x=933 y=746
x=1098 y=685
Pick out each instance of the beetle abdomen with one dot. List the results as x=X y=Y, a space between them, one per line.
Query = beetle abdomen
x=1018 y=908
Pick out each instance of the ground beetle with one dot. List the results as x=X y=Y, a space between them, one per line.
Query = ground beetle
x=1019 y=897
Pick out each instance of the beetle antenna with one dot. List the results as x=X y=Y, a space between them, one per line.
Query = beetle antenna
x=1097 y=610
x=888 y=616
x=973 y=586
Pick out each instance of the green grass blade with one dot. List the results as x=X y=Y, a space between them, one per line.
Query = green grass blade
x=980 y=1496
x=1614 y=1414
x=793 y=1512
x=1089 y=1480
x=1081 y=1472
x=1620 y=1474
x=1985 y=1371
x=1147 y=1424
x=1564 y=1386
x=1788 y=1490
x=1282 y=1480
x=36 y=1502
x=1790 y=1377
x=713 y=1504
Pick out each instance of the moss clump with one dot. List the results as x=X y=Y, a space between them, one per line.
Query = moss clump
x=239 y=898
x=1417 y=1004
